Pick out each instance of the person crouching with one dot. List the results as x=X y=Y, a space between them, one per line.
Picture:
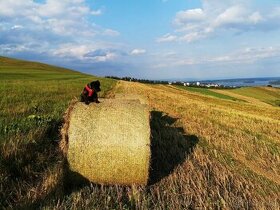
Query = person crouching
x=89 y=93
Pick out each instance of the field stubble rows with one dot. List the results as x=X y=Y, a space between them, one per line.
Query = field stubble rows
x=207 y=152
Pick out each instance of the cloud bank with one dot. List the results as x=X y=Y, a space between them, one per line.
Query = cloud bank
x=56 y=29
x=218 y=37
x=216 y=17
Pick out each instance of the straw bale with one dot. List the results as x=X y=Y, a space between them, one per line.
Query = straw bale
x=108 y=143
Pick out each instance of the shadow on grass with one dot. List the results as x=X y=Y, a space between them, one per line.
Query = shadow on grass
x=170 y=146
x=73 y=181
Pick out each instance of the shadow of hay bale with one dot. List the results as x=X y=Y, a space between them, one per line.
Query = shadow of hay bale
x=170 y=146
x=73 y=181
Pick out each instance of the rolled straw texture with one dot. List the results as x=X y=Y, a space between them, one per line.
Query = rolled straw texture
x=109 y=142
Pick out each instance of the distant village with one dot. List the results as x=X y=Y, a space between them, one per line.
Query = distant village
x=196 y=84
x=186 y=84
x=201 y=84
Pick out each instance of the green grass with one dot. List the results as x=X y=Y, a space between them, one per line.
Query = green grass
x=208 y=92
x=265 y=94
x=12 y=69
x=34 y=95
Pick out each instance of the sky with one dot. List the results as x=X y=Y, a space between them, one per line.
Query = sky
x=151 y=39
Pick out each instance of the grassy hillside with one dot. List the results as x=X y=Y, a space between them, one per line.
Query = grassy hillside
x=34 y=97
x=208 y=151
x=33 y=93
x=13 y=69
x=266 y=94
x=208 y=92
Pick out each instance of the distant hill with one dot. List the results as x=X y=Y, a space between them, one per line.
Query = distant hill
x=11 y=69
x=268 y=95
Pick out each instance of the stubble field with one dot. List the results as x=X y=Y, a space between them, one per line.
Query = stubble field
x=207 y=152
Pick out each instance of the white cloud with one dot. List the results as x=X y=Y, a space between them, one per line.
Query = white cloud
x=50 y=24
x=104 y=55
x=10 y=49
x=247 y=55
x=138 y=51
x=187 y=16
x=167 y=38
x=17 y=27
x=275 y=13
x=110 y=56
x=72 y=50
x=255 y=18
x=110 y=32
x=10 y=8
x=96 y=12
x=190 y=37
x=232 y=15
x=216 y=16
x=90 y=52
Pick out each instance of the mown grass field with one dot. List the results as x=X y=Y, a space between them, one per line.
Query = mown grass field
x=33 y=99
x=208 y=92
x=266 y=94
x=208 y=151
x=33 y=93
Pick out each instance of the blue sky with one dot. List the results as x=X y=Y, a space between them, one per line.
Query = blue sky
x=155 y=39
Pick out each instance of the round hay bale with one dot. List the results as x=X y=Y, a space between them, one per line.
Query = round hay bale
x=108 y=143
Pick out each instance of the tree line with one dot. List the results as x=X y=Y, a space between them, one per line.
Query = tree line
x=132 y=79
